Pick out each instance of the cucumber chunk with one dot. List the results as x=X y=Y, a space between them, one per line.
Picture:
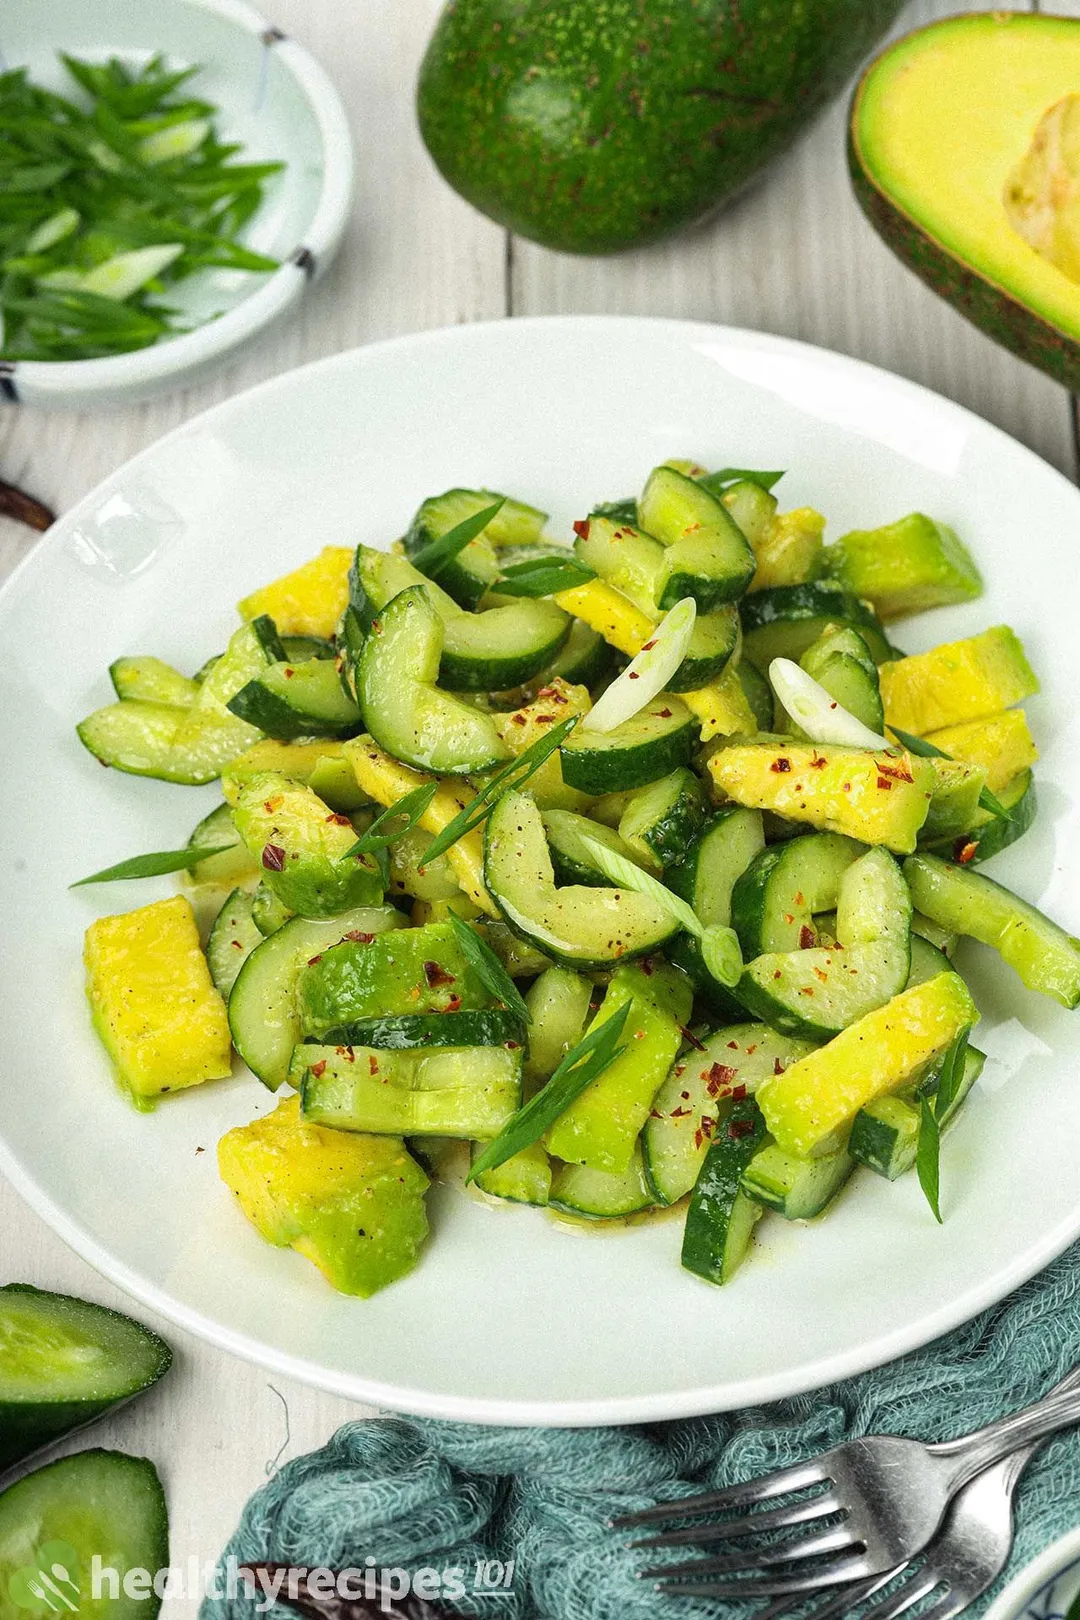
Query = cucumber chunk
x=473 y=571
x=234 y=865
x=233 y=937
x=707 y=555
x=662 y=820
x=652 y=743
x=927 y=961
x=493 y=1026
x=775 y=899
x=798 y=1189
x=304 y=848
x=583 y=660
x=599 y=1195
x=577 y=926
x=571 y=859
x=297 y=700
x=151 y=680
x=758 y=693
x=841 y=662
x=264 y=1012
x=417 y=972
x=467 y=1092
x=753 y=509
x=268 y=913
x=558 y=1004
x=1043 y=955
x=402 y=707
x=63 y=1362
x=524 y=1178
x=721 y=1217
x=783 y=621
x=100 y=1504
x=624 y=557
x=714 y=865
x=885 y=1134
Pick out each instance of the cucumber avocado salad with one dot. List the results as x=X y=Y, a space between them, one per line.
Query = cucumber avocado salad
x=628 y=873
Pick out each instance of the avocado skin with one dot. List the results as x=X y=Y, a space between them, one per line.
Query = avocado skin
x=993 y=309
x=592 y=126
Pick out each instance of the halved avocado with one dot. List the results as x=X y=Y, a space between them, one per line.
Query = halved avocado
x=945 y=151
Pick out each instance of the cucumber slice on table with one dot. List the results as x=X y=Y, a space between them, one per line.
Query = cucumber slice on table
x=468 y=1092
x=404 y=710
x=662 y=820
x=264 y=1013
x=97 y=1504
x=233 y=937
x=707 y=555
x=151 y=680
x=578 y=926
x=1044 y=956
x=885 y=1134
x=783 y=621
x=653 y=742
x=64 y=1362
x=473 y=571
x=298 y=700
x=721 y=1217
x=599 y=1195
x=775 y=898
x=798 y=1189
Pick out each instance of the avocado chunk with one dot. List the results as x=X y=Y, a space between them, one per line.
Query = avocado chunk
x=957 y=681
x=991 y=222
x=905 y=567
x=303 y=847
x=596 y=125
x=352 y=1204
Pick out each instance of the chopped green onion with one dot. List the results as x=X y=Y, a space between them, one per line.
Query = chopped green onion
x=408 y=810
x=433 y=557
x=722 y=954
x=820 y=716
x=514 y=775
x=717 y=482
x=177 y=141
x=155 y=865
x=489 y=970
x=543 y=576
x=646 y=675
x=932 y=1111
x=626 y=875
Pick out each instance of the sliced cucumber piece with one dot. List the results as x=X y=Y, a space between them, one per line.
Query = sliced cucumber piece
x=885 y=1134
x=151 y=680
x=63 y=1362
x=418 y=971
x=1044 y=956
x=656 y=740
x=264 y=1012
x=599 y=1195
x=233 y=937
x=298 y=700
x=623 y=557
x=989 y=835
x=774 y=900
x=954 y=805
x=578 y=926
x=138 y=738
x=784 y=621
x=304 y=848
x=841 y=662
x=467 y=1092
x=753 y=509
x=234 y=864
x=96 y=1505
x=525 y=1178
x=403 y=1032
x=402 y=707
x=926 y=961
x=504 y=647
x=268 y=913
x=571 y=859
x=662 y=821
x=720 y=1218
x=473 y=571
x=376 y=577
x=706 y=555
x=583 y=660
x=798 y=1189
x=697 y=1096
x=714 y=641
x=558 y=1004
x=820 y=991
x=758 y=693
x=300 y=648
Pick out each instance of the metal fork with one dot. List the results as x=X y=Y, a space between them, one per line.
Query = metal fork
x=887 y=1495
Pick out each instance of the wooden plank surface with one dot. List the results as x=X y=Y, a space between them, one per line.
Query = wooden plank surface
x=795 y=256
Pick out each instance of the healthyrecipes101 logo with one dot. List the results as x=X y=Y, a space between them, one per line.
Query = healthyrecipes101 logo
x=51 y=1583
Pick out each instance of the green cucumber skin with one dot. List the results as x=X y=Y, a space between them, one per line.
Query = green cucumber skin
x=599 y=771
x=26 y=1426
x=718 y=1221
x=413 y=1031
x=786 y=620
x=272 y=713
x=994 y=834
x=671 y=827
x=233 y=937
x=712 y=646
x=797 y=1190
x=599 y=1195
x=889 y=1149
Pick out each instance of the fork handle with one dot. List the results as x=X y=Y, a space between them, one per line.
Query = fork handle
x=1020 y=1431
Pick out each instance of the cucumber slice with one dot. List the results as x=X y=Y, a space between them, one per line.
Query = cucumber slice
x=707 y=555
x=653 y=742
x=268 y=913
x=714 y=641
x=926 y=961
x=376 y=577
x=577 y=926
x=138 y=738
x=1044 y=956
x=841 y=662
x=784 y=621
x=558 y=1004
x=97 y=1504
x=699 y=1093
x=720 y=1218
x=598 y=1195
x=885 y=1134
x=798 y=1189
x=298 y=700
x=753 y=509
x=473 y=571
x=298 y=649
x=402 y=1032
x=418 y=971
x=504 y=647
x=264 y=1013
x=63 y=1362
x=402 y=707
x=620 y=555
x=774 y=900
x=571 y=860
x=820 y=991
x=234 y=865
x=233 y=937
x=954 y=805
x=661 y=821
x=525 y=1178
x=467 y=1092
x=715 y=862
x=305 y=849
x=151 y=680
x=989 y=835
x=758 y=693
x=583 y=660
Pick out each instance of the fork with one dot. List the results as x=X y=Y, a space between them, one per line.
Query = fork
x=887 y=1493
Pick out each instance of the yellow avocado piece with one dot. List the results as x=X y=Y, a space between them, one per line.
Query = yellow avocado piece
x=958 y=137
x=878 y=799
x=791 y=551
x=386 y=780
x=1001 y=744
x=958 y=681
x=153 y=1002
x=352 y=1204
x=308 y=602
x=809 y=1108
x=556 y=702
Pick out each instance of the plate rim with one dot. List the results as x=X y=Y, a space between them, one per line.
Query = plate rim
x=590 y=1412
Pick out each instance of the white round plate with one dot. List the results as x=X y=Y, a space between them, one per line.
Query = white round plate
x=508 y=1317
x=1046 y=1588
x=276 y=101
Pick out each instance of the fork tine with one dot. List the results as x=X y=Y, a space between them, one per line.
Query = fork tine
x=801 y=1512
x=838 y=1539
x=949 y=1604
x=849 y=1597
x=912 y=1592
x=795 y=1478
x=842 y=1573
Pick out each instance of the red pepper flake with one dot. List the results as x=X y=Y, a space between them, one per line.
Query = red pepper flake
x=339 y=820
x=319 y=1069
x=519 y=720
x=646 y=966
x=691 y=1040
x=639 y=1034
x=734 y=1045
x=778 y=974
x=544 y=719
x=272 y=804
x=346 y=1052
x=965 y=852
x=778 y=1067
x=359 y=936
x=236 y=944
x=680 y=1069
x=372 y=1063
x=633 y=675
x=680 y=1113
x=453 y=1002
x=511 y=1046
x=739 y=1127
x=581 y=528
x=311 y=961
x=436 y=975
x=648 y=645
x=685 y=1095
x=884 y=783
x=807 y=937
x=273 y=858
x=820 y=973
x=818 y=763
x=654 y=1113
x=738 y=1093
x=807 y=990
x=750 y=1050
x=664 y=714
x=720 y=1075
x=780 y=765
x=289 y=673
x=899 y=773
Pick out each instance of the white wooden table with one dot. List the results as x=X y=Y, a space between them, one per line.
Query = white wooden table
x=794 y=257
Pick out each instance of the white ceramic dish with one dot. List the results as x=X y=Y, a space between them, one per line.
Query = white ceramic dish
x=510 y=1318
x=276 y=100
x=1046 y=1588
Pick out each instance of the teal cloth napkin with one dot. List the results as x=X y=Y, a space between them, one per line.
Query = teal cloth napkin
x=413 y=1493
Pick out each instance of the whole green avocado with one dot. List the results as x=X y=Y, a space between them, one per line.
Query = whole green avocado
x=596 y=125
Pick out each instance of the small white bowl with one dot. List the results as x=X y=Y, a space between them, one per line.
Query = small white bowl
x=276 y=100
x=1046 y=1588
